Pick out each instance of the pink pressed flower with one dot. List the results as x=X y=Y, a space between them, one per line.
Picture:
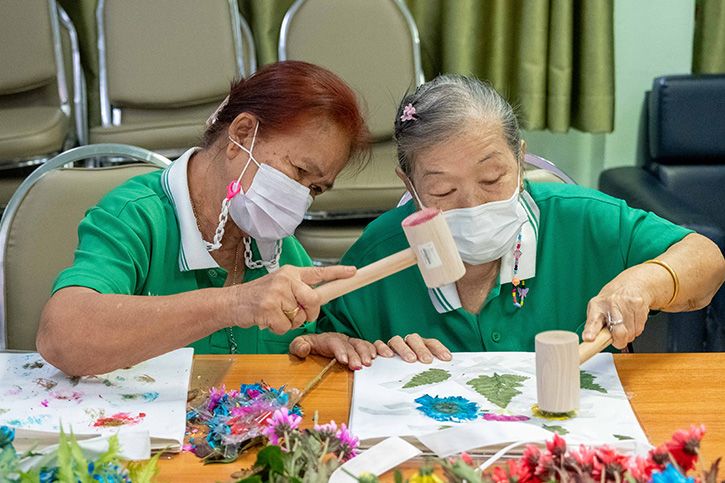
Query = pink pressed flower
x=408 y=113
x=503 y=417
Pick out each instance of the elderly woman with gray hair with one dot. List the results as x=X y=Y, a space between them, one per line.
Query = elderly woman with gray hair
x=538 y=256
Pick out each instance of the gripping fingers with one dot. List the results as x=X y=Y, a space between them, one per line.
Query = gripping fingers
x=315 y=275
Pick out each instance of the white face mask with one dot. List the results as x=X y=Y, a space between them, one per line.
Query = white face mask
x=270 y=210
x=273 y=206
x=484 y=233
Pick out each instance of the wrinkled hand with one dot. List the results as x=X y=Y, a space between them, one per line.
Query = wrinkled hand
x=264 y=301
x=347 y=350
x=413 y=348
x=627 y=309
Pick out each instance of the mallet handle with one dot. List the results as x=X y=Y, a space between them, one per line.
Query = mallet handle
x=588 y=349
x=367 y=275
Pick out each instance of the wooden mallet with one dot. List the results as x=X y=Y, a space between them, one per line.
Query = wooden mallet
x=558 y=357
x=431 y=247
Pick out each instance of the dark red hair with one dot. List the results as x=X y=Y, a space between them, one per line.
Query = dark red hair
x=285 y=95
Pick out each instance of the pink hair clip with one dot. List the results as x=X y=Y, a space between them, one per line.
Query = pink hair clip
x=408 y=113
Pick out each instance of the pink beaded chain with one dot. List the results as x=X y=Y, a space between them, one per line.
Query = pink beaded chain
x=521 y=290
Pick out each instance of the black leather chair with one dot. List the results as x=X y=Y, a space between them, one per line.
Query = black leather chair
x=680 y=176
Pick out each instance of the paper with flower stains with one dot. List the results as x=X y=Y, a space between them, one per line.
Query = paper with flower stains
x=150 y=396
x=494 y=390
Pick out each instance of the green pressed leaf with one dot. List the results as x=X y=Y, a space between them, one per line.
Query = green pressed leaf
x=431 y=376
x=553 y=428
x=587 y=382
x=622 y=437
x=498 y=389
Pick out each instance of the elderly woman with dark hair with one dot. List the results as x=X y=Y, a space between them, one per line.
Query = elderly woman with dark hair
x=538 y=256
x=210 y=236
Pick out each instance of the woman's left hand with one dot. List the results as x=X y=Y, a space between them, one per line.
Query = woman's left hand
x=620 y=306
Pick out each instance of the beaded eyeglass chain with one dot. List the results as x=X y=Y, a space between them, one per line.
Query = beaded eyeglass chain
x=519 y=285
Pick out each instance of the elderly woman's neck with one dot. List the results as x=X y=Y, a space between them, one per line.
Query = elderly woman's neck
x=476 y=284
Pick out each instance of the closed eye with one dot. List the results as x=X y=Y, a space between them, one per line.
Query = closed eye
x=440 y=195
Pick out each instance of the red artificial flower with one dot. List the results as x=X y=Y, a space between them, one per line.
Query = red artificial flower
x=659 y=457
x=500 y=476
x=685 y=446
x=641 y=468
x=609 y=462
x=557 y=447
x=584 y=458
x=531 y=456
x=517 y=472
x=467 y=458
x=545 y=469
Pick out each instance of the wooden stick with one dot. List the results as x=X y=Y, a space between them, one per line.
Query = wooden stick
x=367 y=275
x=588 y=349
x=315 y=380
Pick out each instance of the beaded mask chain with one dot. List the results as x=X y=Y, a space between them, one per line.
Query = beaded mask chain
x=520 y=290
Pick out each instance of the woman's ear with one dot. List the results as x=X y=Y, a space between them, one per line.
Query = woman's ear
x=241 y=130
x=408 y=185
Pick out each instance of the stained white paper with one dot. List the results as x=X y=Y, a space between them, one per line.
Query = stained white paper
x=381 y=407
x=150 y=396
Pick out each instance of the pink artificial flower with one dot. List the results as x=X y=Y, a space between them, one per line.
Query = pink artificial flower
x=685 y=446
x=641 y=468
x=408 y=113
x=214 y=396
x=466 y=458
x=531 y=457
x=348 y=443
x=609 y=463
x=328 y=430
x=659 y=457
x=188 y=448
x=545 y=470
x=584 y=458
x=280 y=423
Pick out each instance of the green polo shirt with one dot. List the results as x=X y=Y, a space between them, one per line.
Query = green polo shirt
x=142 y=239
x=580 y=240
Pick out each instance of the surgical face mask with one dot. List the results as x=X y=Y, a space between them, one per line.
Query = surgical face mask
x=273 y=206
x=484 y=233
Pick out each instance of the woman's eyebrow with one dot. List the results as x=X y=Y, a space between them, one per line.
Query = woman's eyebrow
x=488 y=156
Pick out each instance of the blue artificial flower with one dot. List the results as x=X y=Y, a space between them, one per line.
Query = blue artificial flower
x=7 y=435
x=452 y=408
x=670 y=475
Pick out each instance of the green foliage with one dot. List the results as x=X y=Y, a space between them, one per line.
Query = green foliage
x=144 y=471
x=431 y=376
x=498 y=389
x=587 y=382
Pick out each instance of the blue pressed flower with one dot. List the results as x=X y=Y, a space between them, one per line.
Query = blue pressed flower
x=451 y=408
x=7 y=435
x=670 y=475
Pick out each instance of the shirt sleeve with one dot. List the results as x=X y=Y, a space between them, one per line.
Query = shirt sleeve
x=113 y=251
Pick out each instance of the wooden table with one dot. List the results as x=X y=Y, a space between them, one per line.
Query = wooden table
x=667 y=391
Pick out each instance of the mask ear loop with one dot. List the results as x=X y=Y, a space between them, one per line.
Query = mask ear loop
x=233 y=189
x=415 y=193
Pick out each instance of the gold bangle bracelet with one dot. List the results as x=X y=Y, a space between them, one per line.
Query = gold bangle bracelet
x=675 y=279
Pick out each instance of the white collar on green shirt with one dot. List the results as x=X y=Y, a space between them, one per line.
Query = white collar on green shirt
x=192 y=251
x=445 y=298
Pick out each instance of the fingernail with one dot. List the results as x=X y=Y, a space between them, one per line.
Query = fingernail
x=350 y=269
x=357 y=368
x=447 y=356
x=426 y=359
x=343 y=359
x=410 y=358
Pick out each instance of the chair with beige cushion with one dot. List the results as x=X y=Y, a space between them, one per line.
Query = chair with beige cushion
x=327 y=242
x=42 y=97
x=38 y=231
x=373 y=45
x=164 y=67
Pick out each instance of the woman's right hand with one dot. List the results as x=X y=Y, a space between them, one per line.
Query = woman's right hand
x=266 y=301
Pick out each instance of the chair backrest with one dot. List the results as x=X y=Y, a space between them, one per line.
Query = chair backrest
x=682 y=141
x=373 y=45
x=38 y=231
x=165 y=63
x=34 y=98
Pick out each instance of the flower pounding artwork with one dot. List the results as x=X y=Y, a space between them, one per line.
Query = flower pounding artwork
x=393 y=397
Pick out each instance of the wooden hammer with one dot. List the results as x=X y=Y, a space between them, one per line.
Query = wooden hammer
x=558 y=357
x=431 y=246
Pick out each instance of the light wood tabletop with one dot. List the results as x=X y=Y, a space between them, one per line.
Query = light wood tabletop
x=667 y=391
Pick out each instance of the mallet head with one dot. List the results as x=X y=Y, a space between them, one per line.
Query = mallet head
x=431 y=240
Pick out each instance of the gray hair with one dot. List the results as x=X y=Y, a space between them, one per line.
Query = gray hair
x=444 y=108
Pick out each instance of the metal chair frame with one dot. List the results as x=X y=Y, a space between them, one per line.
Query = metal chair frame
x=65 y=159
x=111 y=116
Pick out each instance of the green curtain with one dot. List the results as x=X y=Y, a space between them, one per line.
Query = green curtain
x=552 y=59
x=708 y=56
